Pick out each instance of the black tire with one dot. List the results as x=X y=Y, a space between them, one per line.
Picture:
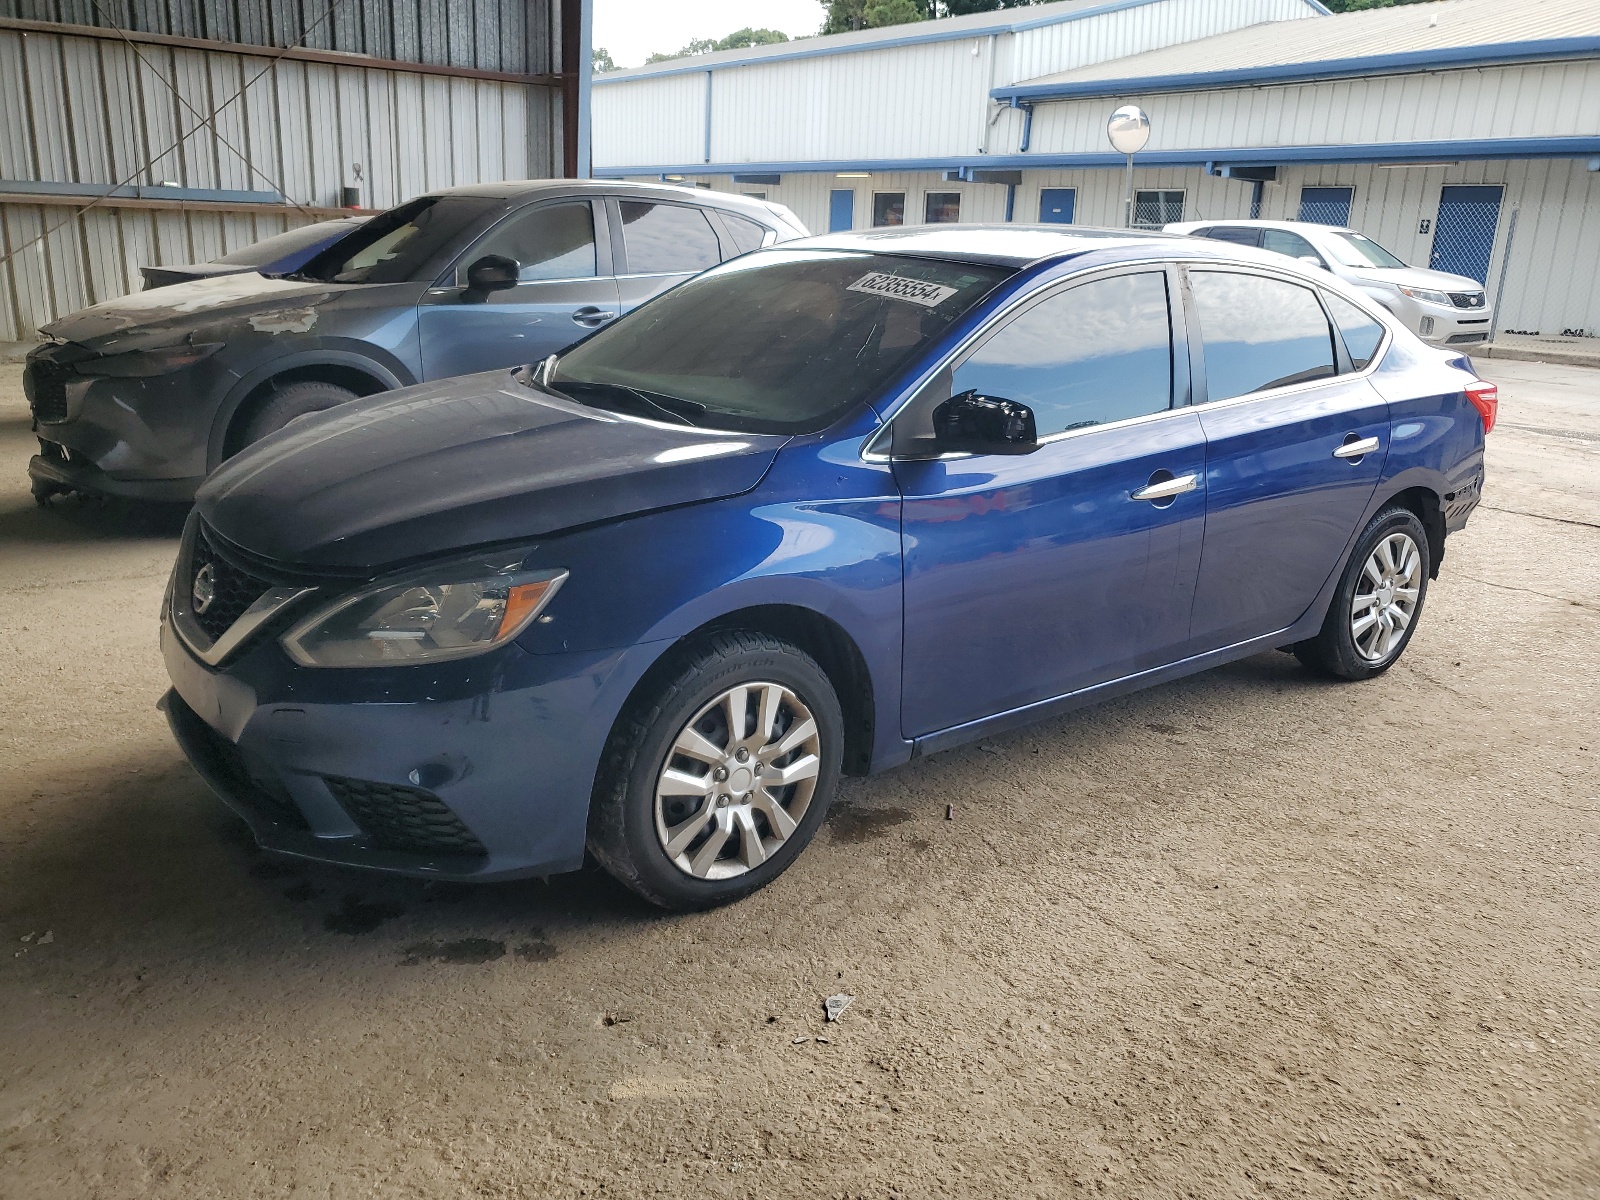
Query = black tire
x=623 y=833
x=284 y=404
x=1334 y=651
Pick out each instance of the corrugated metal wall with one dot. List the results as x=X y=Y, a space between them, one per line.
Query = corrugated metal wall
x=1551 y=281
x=921 y=100
x=1536 y=100
x=93 y=111
x=490 y=35
x=1052 y=49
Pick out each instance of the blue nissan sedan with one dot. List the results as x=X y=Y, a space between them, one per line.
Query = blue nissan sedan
x=822 y=509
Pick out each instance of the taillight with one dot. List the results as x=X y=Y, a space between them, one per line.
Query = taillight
x=1485 y=398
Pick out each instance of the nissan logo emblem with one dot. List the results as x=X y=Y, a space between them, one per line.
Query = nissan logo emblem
x=205 y=588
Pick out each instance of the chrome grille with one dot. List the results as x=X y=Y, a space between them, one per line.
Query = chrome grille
x=1467 y=299
x=231 y=591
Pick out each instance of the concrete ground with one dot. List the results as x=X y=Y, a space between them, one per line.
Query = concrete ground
x=1248 y=934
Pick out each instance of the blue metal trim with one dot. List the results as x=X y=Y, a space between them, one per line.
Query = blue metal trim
x=1011 y=201
x=684 y=66
x=1260 y=156
x=708 y=116
x=585 y=165
x=42 y=187
x=1334 y=68
x=1027 y=127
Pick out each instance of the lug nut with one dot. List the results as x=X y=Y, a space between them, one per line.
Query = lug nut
x=741 y=754
x=720 y=774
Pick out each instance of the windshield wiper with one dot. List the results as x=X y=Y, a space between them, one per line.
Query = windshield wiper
x=670 y=407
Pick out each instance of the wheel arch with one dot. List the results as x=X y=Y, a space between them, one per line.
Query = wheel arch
x=359 y=373
x=820 y=636
x=1429 y=509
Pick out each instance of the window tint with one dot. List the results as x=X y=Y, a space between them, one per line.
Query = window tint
x=1362 y=334
x=667 y=239
x=746 y=234
x=1238 y=234
x=781 y=342
x=888 y=208
x=1281 y=241
x=404 y=243
x=551 y=242
x=1096 y=353
x=942 y=208
x=1259 y=333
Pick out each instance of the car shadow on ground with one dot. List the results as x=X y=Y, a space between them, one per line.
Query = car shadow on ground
x=67 y=519
x=134 y=851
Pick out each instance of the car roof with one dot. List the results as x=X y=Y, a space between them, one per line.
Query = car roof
x=1186 y=226
x=1001 y=245
x=524 y=190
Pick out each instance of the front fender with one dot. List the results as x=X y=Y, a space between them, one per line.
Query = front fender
x=383 y=367
x=654 y=579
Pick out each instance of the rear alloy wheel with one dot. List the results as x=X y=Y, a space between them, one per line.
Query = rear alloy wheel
x=1378 y=602
x=713 y=783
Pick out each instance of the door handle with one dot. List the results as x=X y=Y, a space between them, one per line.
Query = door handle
x=1167 y=488
x=591 y=316
x=1357 y=448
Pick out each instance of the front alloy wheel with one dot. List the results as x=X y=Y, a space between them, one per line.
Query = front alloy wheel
x=738 y=781
x=719 y=772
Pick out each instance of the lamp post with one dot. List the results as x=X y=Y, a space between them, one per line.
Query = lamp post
x=1129 y=130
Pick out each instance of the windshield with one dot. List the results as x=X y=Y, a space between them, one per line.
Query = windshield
x=1358 y=250
x=775 y=342
x=394 y=246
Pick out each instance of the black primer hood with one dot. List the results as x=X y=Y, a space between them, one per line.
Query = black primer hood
x=460 y=463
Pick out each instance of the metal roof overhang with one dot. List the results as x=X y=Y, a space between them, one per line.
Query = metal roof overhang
x=1235 y=156
x=1402 y=62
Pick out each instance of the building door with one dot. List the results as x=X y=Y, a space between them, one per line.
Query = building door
x=841 y=210
x=1463 y=236
x=1326 y=205
x=1056 y=205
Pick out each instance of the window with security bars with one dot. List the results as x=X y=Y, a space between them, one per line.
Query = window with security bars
x=1326 y=205
x=1152 y=210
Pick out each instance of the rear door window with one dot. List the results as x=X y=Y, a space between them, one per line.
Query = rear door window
x=1237 y=234
x=667 y=239
x=1096 y=353
x=1362 y=334
x=1258 y=333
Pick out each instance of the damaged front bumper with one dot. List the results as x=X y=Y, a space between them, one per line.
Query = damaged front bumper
x=478 y=770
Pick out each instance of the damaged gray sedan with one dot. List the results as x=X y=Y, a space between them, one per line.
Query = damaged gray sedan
x=144 y=396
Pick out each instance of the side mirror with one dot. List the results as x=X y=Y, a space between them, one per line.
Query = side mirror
x=492 y=273
x=1312 y=260
x=984 y=425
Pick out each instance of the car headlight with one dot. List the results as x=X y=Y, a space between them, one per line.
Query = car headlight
x=453 y=610
x=1430 y=296
x=134 y=364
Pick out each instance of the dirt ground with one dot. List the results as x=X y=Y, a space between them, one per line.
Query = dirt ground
x=1248 y=934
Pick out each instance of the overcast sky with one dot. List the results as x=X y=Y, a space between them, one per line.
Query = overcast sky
x=634 y=29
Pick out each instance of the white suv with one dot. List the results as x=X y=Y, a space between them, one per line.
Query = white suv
x=1446 y=310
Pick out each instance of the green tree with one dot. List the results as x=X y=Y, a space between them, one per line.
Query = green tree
x=1340 y=6
x=845 y=15
x=736 y=40
x=600 y=61
x=740 y=38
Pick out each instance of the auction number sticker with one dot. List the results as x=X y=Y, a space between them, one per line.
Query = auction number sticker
x=898 y=287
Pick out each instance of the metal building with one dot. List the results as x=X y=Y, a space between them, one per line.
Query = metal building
x=170 y=131
x=1463 y=134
